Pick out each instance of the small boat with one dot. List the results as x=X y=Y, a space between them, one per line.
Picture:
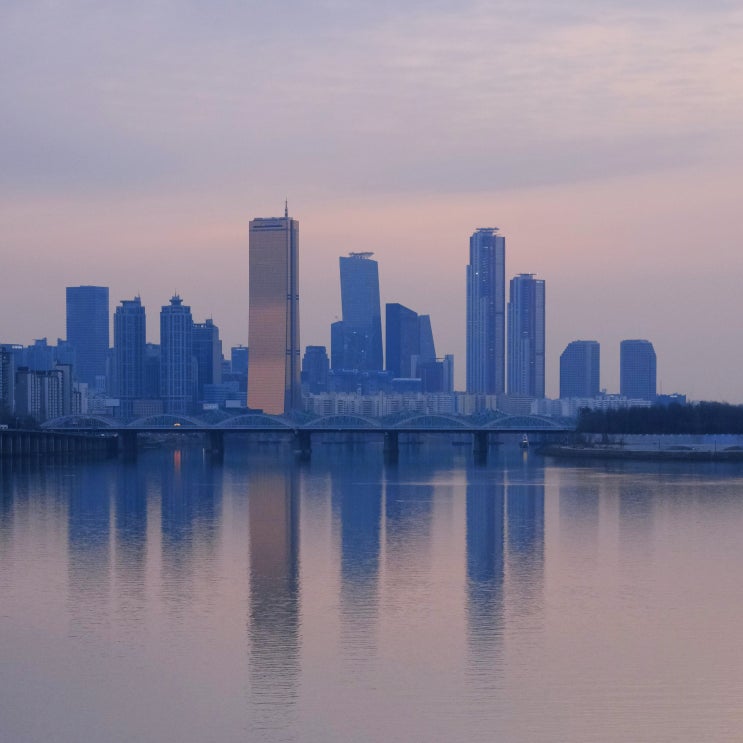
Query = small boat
x=524 y=442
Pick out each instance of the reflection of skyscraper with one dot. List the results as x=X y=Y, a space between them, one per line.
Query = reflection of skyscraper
x=357 y=339
x=485 y=535
x=637 y=369
x=88 y=541
x=486 y=302
x=176 y=353
x=525 y=525
x=131 y=540
x=526 y=336
x=190 y=499
x=129 y=353
x=356 y=487
x=87 y=331
x=274 y=363
x=273 y=515
x=579 y=369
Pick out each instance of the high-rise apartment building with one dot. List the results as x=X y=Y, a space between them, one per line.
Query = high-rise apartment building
x=176 y=357
x=526 y=336
x=87 y=332
x=356 y=340
x=7 y=381
x=637 y=369
x=579 y=369
x=486 y=303
x=273 y=331
x=130 y=330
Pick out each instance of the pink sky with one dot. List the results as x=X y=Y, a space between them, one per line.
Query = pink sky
x=602 y=138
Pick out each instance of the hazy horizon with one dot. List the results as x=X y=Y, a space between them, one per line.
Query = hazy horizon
x=602 y=138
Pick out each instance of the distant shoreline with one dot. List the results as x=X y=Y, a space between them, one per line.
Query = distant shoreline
x=664 y=455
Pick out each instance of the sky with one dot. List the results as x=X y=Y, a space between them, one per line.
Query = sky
x=603 y=138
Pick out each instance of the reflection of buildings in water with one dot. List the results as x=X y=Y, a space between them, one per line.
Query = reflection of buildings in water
x=130 y=508
x=273 y=627
x=189 y=516
x=356 y=487
x=88 y=544
x=485 y=543
x=407 y=538
x=579 y=514
x=525 y=540
x=636 y=520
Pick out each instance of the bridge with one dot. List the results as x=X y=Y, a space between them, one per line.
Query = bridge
x=301 y=427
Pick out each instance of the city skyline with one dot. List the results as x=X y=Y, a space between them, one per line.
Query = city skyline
x=393 y=129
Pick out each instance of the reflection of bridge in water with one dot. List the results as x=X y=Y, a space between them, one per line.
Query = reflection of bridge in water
x=301 y=428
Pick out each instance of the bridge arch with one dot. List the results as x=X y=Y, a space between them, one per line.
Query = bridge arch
x=522 y=423
x=345 y=421
x=71 y=422
x=423 y=421
x=255 y=420
x=166 y=421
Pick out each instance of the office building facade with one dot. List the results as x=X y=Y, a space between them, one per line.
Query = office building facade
x=637 y=369
x=273 y=330
x=486 y=301
x=403 y=340
x=580 y=369
x=356 y=340
x=87 y=332
x=315 y=369
x=176 y=357
x=526 y=336
x=207 y=350
x=130 y=331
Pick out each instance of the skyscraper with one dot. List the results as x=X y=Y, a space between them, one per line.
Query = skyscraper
x=526 y=321
x=356 y=341
x=579 y=369
x=176 y=357
x=403 y=339
x=637 y=369
x=486 y=302
x=207 y=350
x=129 y=354
x=87 y=331
x=315 y=369
x=273 y=330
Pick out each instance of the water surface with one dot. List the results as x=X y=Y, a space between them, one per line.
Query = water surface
x=262 y=599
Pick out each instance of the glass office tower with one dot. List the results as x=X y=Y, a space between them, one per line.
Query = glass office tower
x=129 y=353
x=486 y=304
x=87 y=332
x=273 y=329
x=357 y=339
x=637 y=369
x=579 y=369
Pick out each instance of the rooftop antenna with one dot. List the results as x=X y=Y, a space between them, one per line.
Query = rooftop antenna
x=286 y=207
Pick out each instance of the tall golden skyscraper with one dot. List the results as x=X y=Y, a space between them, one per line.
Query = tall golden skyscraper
x=273 y=324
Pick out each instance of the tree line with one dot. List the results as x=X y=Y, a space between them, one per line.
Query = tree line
x=694 y=418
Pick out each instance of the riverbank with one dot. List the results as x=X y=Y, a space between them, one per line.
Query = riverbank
x=681 y=454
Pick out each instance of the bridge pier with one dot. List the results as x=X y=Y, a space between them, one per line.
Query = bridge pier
x=391 y=445
x=128 y=444
x=215 y=443
x=480 y=446
x=302 y=441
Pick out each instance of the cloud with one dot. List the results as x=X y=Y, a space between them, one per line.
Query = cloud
x=359 y=95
